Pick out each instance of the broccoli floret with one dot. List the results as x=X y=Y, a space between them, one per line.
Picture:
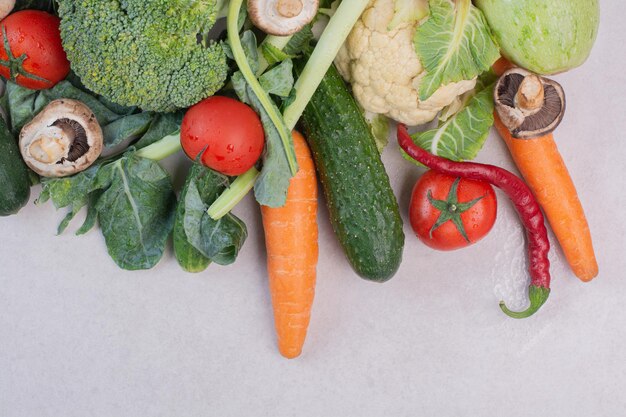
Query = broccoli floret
x=144 y=53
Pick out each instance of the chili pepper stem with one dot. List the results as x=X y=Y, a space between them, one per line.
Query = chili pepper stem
x=537 y=296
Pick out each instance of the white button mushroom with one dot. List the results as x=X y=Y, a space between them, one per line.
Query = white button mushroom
x=63 y=139
x=528 y=105
x=282 y=17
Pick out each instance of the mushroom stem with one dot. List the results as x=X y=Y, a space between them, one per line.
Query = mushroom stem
x=50 y=146
x=530 y=95
x=289 y=8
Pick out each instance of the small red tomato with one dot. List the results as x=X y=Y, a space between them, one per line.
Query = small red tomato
x=449 y=213
x=31 y=53
x=228 y=131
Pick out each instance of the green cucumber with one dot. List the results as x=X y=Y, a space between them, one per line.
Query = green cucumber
x=14 y=177
x=363 y=209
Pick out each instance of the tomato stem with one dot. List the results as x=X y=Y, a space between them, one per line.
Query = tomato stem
x=451 y=209
x=16 y=64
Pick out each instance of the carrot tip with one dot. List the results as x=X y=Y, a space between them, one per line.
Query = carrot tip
x=537 y=295
x=290 y=353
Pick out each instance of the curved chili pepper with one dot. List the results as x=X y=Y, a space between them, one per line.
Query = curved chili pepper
x=525 y=204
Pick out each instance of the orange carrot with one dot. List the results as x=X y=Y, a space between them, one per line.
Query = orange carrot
x=541 y=165
x=502 y=65
x=291 y=241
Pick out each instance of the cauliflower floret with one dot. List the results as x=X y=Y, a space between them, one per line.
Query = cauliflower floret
x=384 y=69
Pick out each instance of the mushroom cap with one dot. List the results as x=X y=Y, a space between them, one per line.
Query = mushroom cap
x=529 y=105
x=282 y=17
x=63 y=139
x=6 y=6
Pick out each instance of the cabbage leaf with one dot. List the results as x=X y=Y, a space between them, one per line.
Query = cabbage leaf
x=454 y=44
x=462 y=135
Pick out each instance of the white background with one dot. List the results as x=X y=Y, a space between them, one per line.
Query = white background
x=80 y=337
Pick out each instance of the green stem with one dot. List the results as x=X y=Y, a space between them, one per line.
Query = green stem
x=233 y=194
x=325 y=52
x=322 y=58
x=278 y=42
x=264 y=98
x=165 y=147
x=537 y=296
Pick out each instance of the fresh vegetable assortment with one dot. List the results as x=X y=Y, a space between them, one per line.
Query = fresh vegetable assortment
x=98 y=92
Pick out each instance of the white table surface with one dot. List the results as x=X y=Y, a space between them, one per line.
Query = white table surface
x=80 y=337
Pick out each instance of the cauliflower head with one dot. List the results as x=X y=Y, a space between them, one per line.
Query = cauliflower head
x=380 y=62
x=144 y=53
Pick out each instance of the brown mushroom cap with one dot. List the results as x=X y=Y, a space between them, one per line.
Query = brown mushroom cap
x=529 y=105
x=282 y=17
x=63 y=139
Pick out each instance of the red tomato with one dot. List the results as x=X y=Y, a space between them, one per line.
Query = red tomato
x=228 y=131
x=449 y=213
x=34 y=57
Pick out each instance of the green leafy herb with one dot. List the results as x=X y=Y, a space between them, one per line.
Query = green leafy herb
x=118 y=123
x=127 y=127
x=198 y=239
x=273 y=55
x=454 y=44
x=45 y=5
x=299 y=42
x=279 y=80
x=189 y=258
x=135 y=211
x=131 y=197
x=379 y=125
x=463 y=134
x=271 y=186
x=162 y=125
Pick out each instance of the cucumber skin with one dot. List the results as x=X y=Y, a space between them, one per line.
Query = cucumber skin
x=363 y=209
x=14 y=178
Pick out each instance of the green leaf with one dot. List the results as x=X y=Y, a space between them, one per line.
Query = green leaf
x=163 y=124
x=131 y=126
x=271 y=186
x=118 y=123
x=299 y=42
x=379 y=125
x=189 y=258
x=273 y=55
x=462 y=135
x=136 y=211
x=218 y=241
x=454 y=44
x=279 y=80
x=73 y=211
x=71 y=190
x=45 y=5
x=279 y=161
x=92 y=213
x=249 y=44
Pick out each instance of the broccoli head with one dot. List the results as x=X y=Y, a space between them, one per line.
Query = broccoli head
x=146 y=53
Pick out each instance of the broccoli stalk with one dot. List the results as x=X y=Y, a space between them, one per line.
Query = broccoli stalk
x=334 y=35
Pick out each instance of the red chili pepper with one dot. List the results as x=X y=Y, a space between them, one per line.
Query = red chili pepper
x=525 y=204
